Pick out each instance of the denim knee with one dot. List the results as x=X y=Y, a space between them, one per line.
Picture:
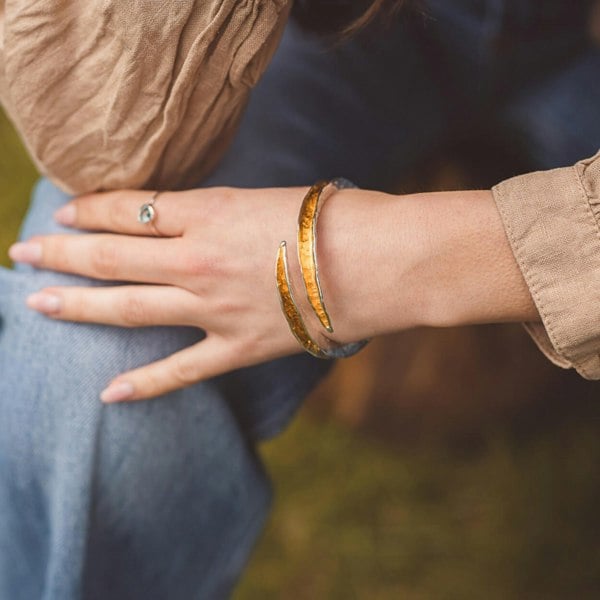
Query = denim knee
x=161 y=498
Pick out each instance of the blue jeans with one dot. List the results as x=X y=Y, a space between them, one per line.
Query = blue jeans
x=165 y=498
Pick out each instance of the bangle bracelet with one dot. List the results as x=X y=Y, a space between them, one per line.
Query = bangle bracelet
x=295 y=321
x=307 y=222
x=307 y=245
x=288 y=305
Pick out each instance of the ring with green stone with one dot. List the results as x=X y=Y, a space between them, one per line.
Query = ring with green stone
x=147 y=213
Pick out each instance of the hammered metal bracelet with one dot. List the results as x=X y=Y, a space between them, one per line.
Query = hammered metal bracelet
x=307 y=255
x=290 y=310
x=307 y=243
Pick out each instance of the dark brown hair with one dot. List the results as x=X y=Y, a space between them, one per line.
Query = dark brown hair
x=343 y=18
x=377 y=10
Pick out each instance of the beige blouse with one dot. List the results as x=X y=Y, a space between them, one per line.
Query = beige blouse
x=552 y=220
x=110 y=94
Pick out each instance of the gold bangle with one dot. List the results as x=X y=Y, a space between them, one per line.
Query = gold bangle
x=307 y=244
x=307 y=238
x=307 y=252
x=288 y=305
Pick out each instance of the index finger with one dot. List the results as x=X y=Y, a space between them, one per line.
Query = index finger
x=118 y=212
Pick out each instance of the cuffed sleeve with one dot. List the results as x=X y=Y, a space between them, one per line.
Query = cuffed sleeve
x=552 y=219
x=132 y=94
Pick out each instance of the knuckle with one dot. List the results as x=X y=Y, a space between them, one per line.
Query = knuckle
x=87 y=213
x=222 y=195
x=152 y=383
x=74 y=305
x=249 y=347
x=203 y=265
x=100 y=213
x=132 y=311
x=216 y=207
x=104 y=260
x=80 y=207
x=185 y=372
x=54 y=253
x=227 y=308
x=119 y=212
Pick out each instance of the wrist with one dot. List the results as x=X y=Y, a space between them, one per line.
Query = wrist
x=370 y=244
x=391 y=263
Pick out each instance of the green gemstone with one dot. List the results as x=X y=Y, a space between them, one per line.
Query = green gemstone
x=146 y=214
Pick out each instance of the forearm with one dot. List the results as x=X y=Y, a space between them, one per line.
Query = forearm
x=469 y=274
x=434 y=259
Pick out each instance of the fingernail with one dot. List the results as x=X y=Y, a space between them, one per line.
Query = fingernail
x=27 y=252
x=116 y=392
x=44 y=302
x=65 y=215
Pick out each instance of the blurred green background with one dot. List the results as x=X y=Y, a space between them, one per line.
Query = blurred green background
x=436 y=465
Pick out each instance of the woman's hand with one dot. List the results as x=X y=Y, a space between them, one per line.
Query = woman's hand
x=213 y=267
x=387 y=263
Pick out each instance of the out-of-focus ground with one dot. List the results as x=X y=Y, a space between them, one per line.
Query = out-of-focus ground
x=450 y=464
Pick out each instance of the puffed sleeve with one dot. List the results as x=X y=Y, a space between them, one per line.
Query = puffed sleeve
x=110 y=94
x=552 y=221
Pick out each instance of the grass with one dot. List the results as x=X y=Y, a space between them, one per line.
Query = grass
x=516 y=518
x=17 y=176
x=355 y=519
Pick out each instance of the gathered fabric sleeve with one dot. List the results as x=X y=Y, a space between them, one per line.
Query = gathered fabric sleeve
x=552 y=221
x=111 y=94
